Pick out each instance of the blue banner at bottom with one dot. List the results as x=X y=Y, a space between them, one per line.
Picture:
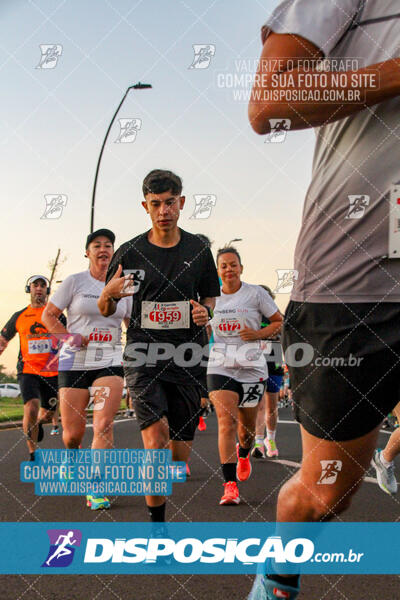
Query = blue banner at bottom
x=199 y=548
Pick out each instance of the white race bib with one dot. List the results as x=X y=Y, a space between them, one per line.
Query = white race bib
x=228 y=326
x=165 y=315
x=39 y=346
x=103 y=335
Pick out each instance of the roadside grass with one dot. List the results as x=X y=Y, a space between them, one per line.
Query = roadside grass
x=12 y=409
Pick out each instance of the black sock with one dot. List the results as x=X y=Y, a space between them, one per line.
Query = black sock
x=292 y=580
x=157 y=513
x=229 y=471
x=31 y=456
x=244 y=452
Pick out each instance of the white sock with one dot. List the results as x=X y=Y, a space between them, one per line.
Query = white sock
x=271 y=435
x=259 y=439
x=385 y=463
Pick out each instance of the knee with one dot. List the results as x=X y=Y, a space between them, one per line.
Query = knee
x=297 y=502
x=103 y=426
x=226 y=425
x=73 y=437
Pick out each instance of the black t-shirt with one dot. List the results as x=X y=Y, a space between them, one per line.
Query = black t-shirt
x=165 y=279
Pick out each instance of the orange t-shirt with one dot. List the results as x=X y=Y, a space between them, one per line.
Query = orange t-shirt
x=37 y=345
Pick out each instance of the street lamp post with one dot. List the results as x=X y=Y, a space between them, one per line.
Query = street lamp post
x=235 y=240
x=137 y=86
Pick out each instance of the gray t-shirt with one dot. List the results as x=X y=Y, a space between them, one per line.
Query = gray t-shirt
x=342 y=250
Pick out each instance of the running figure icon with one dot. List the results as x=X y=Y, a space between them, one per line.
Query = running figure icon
x=62 y=549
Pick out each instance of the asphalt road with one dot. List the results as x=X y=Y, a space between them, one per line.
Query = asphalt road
x=196 y=500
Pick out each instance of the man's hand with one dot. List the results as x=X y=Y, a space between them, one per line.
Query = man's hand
x=199 y=313
x=119 y=287
x=249 y=335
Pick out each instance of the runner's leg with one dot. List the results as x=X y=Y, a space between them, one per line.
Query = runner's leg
x=156 y=437
x=103 y=419
x=73 y=403
x=29 y=423
x=303 y=499
x=226 y=407
x=392 y=448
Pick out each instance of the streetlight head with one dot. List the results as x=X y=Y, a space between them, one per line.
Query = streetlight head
x=141 y=86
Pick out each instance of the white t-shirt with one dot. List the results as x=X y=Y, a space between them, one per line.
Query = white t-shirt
x=78 y=294
x=229 y=355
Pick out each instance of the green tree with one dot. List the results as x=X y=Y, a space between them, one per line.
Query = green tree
x=7 y=377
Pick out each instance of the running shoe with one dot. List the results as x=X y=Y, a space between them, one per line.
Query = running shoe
x=54 y=431
x=231 y=493
x=243 y=467
x=267 y=589
x=258 y=450
x=271 y=448
x=188 y=473
x=94 y=502
x=385 y=476
x=202 y=424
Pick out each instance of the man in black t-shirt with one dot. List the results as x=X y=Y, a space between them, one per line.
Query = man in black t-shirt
x=167 y=271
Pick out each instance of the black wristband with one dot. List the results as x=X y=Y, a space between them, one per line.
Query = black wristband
x=210 y=311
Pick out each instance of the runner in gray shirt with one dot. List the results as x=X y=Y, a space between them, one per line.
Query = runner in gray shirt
x=333 y=65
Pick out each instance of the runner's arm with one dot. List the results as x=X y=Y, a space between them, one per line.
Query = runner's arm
x=249 y=335
x=8 y=331
x=3 y=344
x=272 y=70
x=271 y=330
x=50 y=319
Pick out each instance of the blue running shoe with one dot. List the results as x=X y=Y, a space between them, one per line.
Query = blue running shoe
x=267 y=589
x=96 y=502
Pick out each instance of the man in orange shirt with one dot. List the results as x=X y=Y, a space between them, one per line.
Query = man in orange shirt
x=38 y=384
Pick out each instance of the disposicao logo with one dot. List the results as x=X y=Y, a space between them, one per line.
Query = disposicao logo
x=62 y=547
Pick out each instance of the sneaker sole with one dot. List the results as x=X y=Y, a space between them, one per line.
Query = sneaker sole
x=231 y=501
x=379 y=480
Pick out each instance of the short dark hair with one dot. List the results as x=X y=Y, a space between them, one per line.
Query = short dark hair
x=267 y=289
x=230 y=249
x=205 y=239
x=159 y=181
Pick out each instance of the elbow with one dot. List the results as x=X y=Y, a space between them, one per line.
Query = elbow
x=259 y=117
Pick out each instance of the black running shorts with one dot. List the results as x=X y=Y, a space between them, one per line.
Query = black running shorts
x=153 y=399
x=85 y=379
x=345 y=378
x=43 y=388
x=249 y=394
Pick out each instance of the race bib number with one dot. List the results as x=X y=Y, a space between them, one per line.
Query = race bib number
x=102 y=335
x=165 y=315
x=252 y=394
x=39 y=346
x=228 y=326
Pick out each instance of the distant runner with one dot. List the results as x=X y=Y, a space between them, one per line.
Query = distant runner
x=39 y=386
x=237 y=371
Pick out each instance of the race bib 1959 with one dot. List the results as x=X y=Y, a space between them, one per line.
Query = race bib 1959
x=165 y=315
x=39 y=346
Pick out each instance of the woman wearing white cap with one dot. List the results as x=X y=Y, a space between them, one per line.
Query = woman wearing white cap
x=90 y=362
